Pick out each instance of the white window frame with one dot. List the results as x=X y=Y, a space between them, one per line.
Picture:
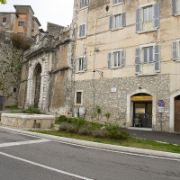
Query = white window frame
x=84 y=35
x=113 y=59
x=178 y=50
x=82 y=59
x=84 y=5
x=142 y=53
x=79 y=91
x=114 y=22
x=120 y=24
x=117 y=3
x=143 y=15
x=141 y=7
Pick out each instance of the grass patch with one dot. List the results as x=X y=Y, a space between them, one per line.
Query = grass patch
x=79 y=128
x=32 y=110
x=130 y=142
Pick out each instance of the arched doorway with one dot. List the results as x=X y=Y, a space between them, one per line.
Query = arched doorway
x=37 y=84
x=177 y=114
x=142 y=110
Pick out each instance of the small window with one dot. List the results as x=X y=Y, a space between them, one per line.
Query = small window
x=14 y=90
x=176 y=50
x=81 y=64
x=148 y=54
x=117 y=1
x=82 y=30
x=178 y=6
x=116 y=59
x=21 y=23
x=117 y=21
x=4 y=19
x=83 y=3
x=79 y=98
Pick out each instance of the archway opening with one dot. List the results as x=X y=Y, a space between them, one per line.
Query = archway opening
x=177 y=114
x=142 y=110
x=37 y=83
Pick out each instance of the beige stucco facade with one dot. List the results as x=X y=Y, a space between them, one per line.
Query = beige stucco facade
x=100 y=40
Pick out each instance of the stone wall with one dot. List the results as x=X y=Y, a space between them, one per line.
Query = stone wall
x=115 y=101
x=10 y=65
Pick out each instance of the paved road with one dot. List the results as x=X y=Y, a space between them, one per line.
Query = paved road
x=29 y=158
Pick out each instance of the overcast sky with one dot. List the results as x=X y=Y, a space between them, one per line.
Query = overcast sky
x=55 y=11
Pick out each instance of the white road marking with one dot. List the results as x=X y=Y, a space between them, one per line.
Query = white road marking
x=19 y=143
x=45 y=167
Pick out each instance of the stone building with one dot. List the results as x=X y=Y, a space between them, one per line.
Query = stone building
x=16 y=32
x=46 y=74
x=22 y=21
x=127 y=61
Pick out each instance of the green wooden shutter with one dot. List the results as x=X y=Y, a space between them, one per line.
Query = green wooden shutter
x=85 y=64
x=156 y=15
x=173 y=5
x=157 y=58
x=174 y=51
x=111 y=22
x=124 y=19
x=109 y=60
x=138 y=61
x=138 y=21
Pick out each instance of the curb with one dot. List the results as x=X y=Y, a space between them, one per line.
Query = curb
x=101 y=146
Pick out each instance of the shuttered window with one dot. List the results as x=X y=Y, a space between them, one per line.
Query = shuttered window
x=116 y=59
x=117 y=1
x=148 y=18
x=117 y=21
x=147 y=55
x=83 y=3
x=176 y=50
x=82 y=30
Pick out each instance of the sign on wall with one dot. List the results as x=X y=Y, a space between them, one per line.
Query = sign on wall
x=161 y=105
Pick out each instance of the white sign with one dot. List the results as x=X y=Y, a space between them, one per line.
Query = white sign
x=113 y=90
x=161 y=109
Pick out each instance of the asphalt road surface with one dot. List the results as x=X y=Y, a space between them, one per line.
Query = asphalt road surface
x=24 y=157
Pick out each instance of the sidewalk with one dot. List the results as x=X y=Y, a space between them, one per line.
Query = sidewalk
x=171 y=138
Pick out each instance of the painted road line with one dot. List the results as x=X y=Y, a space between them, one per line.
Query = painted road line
x=10 y=144
x=45 y=167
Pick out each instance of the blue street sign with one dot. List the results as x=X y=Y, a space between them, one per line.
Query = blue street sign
x=161 y=103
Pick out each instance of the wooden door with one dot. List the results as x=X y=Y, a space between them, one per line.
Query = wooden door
x=177 y=116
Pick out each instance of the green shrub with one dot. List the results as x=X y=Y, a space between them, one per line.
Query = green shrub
x=65 y=126
x=32 y=110
x=101 y=133
x=84 y=130
x=79 y=122
x=98 y=111
x=61 y=119
x=114 y=132
x=107 y=115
